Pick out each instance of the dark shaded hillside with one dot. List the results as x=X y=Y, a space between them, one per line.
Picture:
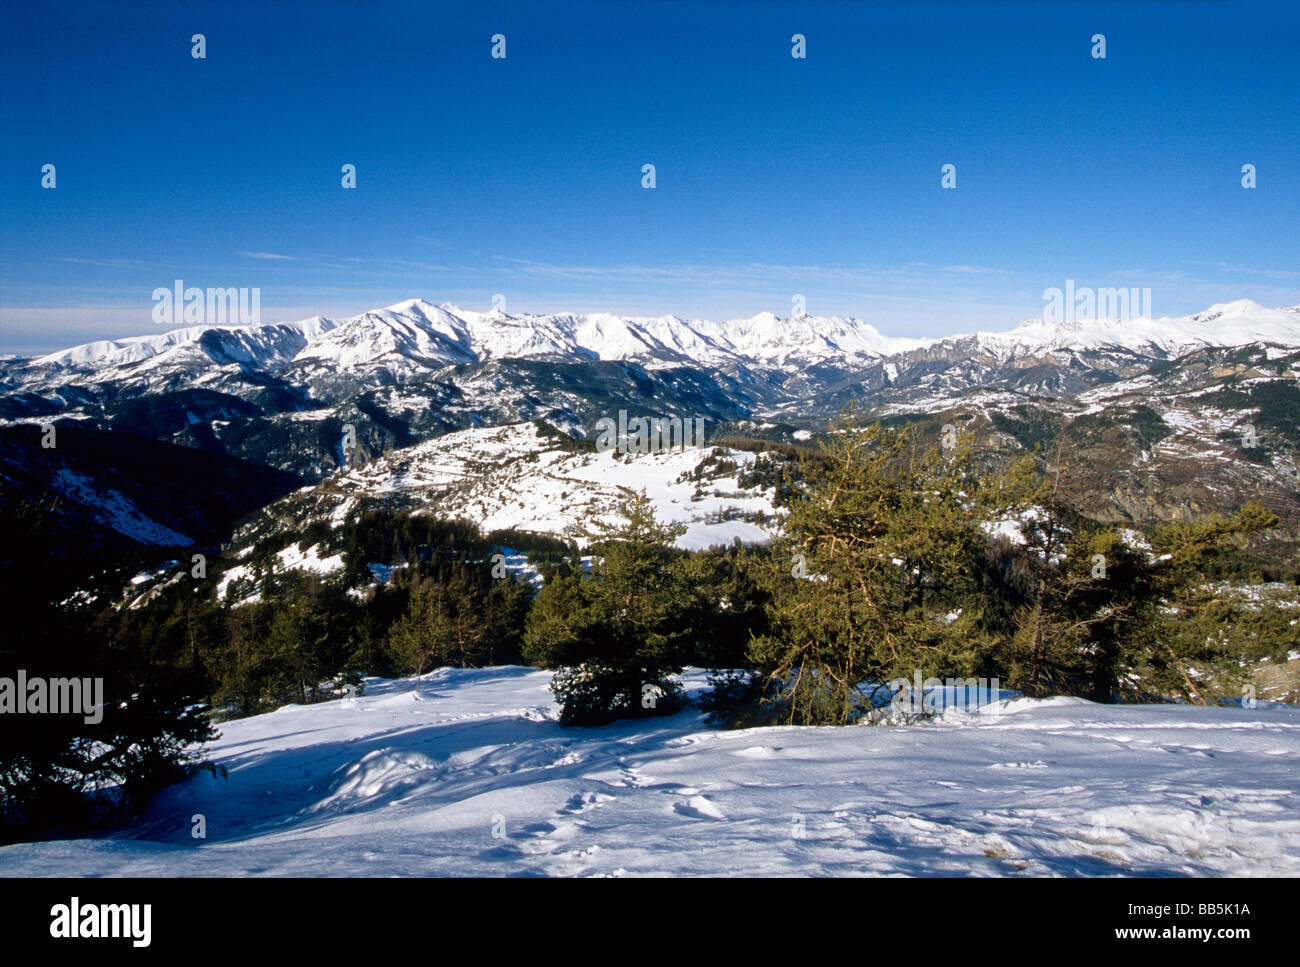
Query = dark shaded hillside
x=115 y=495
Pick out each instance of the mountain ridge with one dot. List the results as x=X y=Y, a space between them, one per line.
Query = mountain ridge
x=1175 y=415
x=444 y=334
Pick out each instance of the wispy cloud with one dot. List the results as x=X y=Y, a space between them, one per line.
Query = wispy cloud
x=348 y=263
x=1230 y=269
x=750 y=272
x=270 y=256
x=972 y=269
x=111 y=263
x=400 y=264
x=1150 y=275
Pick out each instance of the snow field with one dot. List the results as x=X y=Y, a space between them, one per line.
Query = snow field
x=470 y=774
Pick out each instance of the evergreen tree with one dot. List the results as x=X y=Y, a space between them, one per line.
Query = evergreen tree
x=444 y=625
x=722 y=605
x=616 y=637
x=505 y=609
x=1191 y=634
x=879 y=573
x=1117 y=623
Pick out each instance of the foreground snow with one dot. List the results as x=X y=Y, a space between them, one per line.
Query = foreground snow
x=471 y=775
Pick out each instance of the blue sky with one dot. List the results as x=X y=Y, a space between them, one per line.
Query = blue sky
x=522 y=176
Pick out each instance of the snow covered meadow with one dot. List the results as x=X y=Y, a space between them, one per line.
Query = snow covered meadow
x=471 y=775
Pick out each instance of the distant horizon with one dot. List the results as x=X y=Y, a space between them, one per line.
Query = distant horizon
x=82 y=324
x=157 y=330
x=927 y=167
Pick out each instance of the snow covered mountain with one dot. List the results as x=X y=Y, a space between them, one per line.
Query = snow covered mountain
x=413 y=335
x=1158 y=417
x=417 y=333
x=1232 y=324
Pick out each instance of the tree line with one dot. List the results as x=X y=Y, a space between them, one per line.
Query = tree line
x=896 y=555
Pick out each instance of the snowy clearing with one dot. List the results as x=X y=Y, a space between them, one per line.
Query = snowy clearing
x=473 y=776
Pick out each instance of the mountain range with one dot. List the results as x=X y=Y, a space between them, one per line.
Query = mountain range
x=1145 y=420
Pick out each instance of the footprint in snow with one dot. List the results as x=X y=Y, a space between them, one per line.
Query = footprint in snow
x=581 y=802
x=634 y=781
x=685 y=740
x=581 y=856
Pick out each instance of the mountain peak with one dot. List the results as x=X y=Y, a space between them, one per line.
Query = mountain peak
x=1237 y=307
x=406 y=304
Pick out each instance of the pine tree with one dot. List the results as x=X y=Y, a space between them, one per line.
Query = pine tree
x=445 y=623
x=616 y=636
x=879 y=573
x=1114 y=622
x=722 y=605
x=505 y=609
x=1192 y=634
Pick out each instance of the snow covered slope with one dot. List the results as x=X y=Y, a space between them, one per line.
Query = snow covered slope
x=513 y=477
x=517 y=477
x=471 y=775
